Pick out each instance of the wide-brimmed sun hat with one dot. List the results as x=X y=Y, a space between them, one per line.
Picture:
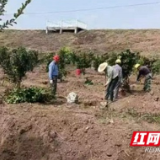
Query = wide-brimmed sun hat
x=102 y=67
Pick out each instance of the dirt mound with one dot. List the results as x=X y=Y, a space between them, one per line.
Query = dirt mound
x=100 y=41
x=46 y=133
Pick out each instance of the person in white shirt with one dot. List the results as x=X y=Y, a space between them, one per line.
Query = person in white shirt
x=118 y=70
x=112 y=76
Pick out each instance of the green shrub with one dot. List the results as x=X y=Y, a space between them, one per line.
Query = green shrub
x=111 y=58
x=68 y=55
x=62 y=63
x=17 y=62
x=32 y=95
x=82 y=62
x=71 y=58
x=97 y=60
x=96 y=63
x=156 y=67
x=86 y=60
x=128 y=60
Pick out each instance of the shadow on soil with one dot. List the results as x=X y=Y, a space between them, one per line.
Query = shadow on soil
x=16 y=148
x=57 y=101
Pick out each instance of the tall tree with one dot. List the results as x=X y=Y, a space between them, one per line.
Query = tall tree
x=15 y=16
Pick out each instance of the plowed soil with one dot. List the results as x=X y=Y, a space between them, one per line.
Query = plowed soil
x=84 y=131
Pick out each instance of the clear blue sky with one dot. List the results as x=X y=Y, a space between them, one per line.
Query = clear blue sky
x=147 y=16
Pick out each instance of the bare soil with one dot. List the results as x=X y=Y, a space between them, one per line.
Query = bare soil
x=83 y=131
x=100 y=41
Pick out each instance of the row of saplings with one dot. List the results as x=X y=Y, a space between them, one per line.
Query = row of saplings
x=17 y=62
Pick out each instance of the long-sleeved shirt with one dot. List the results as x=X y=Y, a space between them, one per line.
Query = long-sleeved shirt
x=111 y=74
x=118 y=71
x=143 y=71
x=53 y=70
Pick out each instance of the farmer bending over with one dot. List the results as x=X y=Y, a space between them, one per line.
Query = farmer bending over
x=144 y=71
x=53 y=73
x=111 y=82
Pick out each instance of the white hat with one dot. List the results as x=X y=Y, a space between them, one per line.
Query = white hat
x=102 y=67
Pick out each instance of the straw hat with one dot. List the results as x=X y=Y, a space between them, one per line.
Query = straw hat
x=102 y=67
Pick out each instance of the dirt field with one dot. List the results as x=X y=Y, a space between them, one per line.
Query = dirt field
x=101 y=41
x=83 y=131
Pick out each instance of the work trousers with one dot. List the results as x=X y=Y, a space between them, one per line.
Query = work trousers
x=110 y=89
x=116 y=90
x=147 y=82
x=54 y=85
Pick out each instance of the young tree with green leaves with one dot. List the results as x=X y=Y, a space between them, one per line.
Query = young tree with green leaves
x=17 y=62
x=12 y=21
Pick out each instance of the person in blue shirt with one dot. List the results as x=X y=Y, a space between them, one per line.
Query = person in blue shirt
x=53 y=73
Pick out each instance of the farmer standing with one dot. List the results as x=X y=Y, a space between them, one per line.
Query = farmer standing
x=118 y=69
x=111 y=82
x=53 y=73
x=144 y=71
